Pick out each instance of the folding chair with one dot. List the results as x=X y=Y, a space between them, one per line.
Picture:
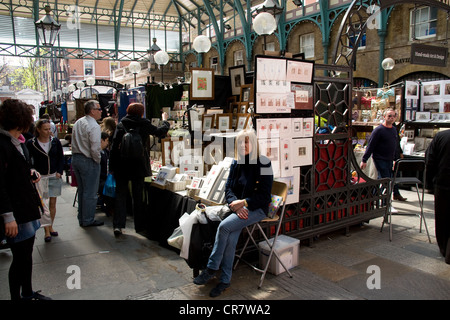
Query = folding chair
x=279 y=189
x=413 y=173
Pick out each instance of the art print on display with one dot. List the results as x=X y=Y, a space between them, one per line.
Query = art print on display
x=303 y=96
x=202 y=84
x=299 y=71
x=242 y=120
x=246 y=93
x=301 y=150
x=423 y=116
x=412 y=90
x=207 y=122
x=166 y=147
x=237 y=78
x=293 y=185
x=271 y=76
x=273 y=103
x=224 y=121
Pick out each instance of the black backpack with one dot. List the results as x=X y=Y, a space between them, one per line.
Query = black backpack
x=131 y=146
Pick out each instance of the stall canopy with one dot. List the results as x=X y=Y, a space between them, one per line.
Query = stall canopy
x=31 y=97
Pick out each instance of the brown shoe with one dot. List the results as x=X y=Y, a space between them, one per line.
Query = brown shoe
x=399 y=198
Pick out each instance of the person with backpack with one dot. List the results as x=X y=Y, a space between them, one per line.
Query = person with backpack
x=130 y=161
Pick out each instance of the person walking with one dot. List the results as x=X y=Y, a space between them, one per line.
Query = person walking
x=19 y=201
x=384 y=148
x=437 y=159
x=248 y=194
x=126 y=168
x=47 y=158
x=86 y=157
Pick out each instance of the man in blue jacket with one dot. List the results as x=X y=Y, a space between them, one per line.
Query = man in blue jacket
x=384 y=148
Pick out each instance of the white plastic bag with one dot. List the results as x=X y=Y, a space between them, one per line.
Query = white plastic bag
x=42 y=188
x=176 y=239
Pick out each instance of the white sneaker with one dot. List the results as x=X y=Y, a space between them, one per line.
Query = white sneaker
x=393 y=210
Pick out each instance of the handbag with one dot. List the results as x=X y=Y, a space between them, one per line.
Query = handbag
x=109 y=189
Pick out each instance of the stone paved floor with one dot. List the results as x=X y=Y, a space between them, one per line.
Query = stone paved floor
x=334 y=268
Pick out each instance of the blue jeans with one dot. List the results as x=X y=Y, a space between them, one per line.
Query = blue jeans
x=87 y=172
x=227 y=237
x=384 y=169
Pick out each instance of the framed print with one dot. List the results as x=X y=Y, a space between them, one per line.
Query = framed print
x=412 y=90
x=303 y=96
x=207 y=121
x=223 y=122
x=237 y=78
x=293 y=183
x=246 y=93
x=243 y=107
x=301 y=152
x=230 y=101
x=299 y=71
x=242 y=120
x=202 y=84
x=423 y=116
x=273 y=103
x=166 y=147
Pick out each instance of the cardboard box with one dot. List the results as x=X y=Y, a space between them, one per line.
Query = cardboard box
x=287 y=249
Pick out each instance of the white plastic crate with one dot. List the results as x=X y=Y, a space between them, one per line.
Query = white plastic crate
x=287 y=249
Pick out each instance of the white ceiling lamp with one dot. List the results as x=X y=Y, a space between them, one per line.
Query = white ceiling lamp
x=135 y=68
x=388 y=64
x=71 y=88
x=90 y=81
x=161 y=58
x=80 y=85
x=264 y=23
x=201 y=44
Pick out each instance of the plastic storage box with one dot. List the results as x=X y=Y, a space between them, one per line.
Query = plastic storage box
x=287 y=249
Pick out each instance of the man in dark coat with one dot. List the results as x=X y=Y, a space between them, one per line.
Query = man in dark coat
x=438 y=176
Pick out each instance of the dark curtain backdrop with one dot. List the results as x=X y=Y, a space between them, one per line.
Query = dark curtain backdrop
x=158 y=98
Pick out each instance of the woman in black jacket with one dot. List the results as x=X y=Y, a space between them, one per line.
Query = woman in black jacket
x=47 y=158
x=19 y=201
x=248 y=194
x=132 y=169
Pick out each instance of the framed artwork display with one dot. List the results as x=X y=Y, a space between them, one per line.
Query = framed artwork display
x=230 y=101
x=172 y=149
x=237 y=78
x=243 y=107
x=246 y=93
x=202 y=84
x=166 y=148
x=224 y=121
x=207 y=121
x=299 y=71
x=242 y=120
x=303 y=96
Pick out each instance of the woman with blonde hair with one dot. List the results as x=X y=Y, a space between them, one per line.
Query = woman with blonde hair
x=248 y=194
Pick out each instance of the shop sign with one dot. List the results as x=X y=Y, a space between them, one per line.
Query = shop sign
x=429 y=55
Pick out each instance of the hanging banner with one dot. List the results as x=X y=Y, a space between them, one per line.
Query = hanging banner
x=429 y=55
